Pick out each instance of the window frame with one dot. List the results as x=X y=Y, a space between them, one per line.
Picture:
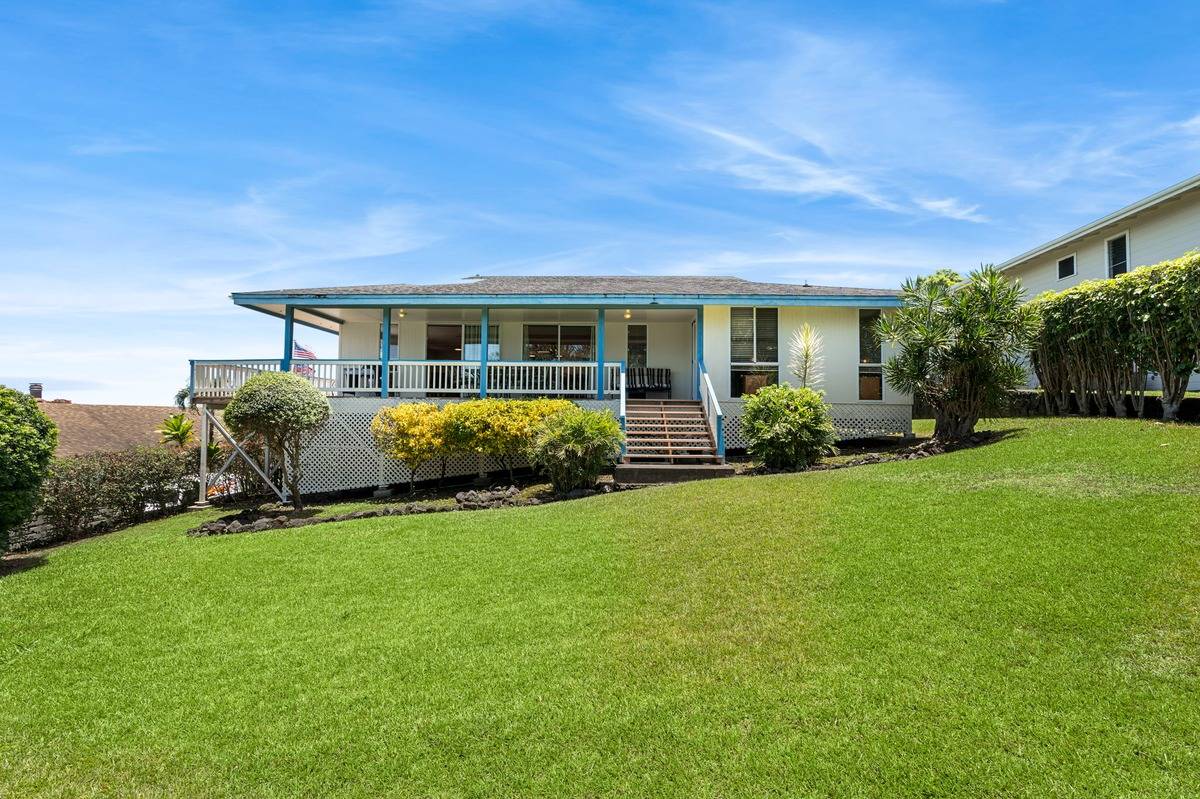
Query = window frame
x=861 y=364
x=1128 y=253
x=645 y=341
x=1074 y=263
x=753 y=365
x=558 y=326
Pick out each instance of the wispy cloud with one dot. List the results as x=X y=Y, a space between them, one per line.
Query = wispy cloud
x=114 y=145
x=952 y=208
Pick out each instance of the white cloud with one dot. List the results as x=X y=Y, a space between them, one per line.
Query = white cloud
x=952 y=208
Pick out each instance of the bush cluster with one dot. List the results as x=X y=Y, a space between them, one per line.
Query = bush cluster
x=788 y=428
x=109 y=490
x=573 y=447
x=416 y=433
x=27 y=442
x=1098 y=340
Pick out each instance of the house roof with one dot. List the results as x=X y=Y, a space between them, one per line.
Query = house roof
x=571 y=287
x=1115 y=218
x=83 y=429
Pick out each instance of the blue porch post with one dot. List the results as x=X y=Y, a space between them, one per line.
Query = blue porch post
x=599 y=353
x=385 y=351
x=289 y=319
x=483 y=352
x=699 y=346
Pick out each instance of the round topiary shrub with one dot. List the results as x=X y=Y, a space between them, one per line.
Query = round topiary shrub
x=788 y=428
x=27 y=442
x=573 y=447
x=282 y=411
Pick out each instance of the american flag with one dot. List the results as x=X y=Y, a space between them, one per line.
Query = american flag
x=303 y=353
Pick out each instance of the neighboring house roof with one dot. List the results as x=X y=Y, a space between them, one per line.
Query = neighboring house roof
x=1116 y=217
x=84 y=429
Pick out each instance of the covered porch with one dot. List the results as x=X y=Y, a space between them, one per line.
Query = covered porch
x=458 y=352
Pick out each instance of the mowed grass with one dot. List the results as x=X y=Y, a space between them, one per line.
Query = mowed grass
x=1020 y=619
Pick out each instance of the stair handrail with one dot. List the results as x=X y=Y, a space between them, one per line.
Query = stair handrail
x=621 y=389
x=712 y=411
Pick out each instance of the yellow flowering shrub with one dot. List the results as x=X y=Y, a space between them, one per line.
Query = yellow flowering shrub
x=412 y=433
x=496 y=427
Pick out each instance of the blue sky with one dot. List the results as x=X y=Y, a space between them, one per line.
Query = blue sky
x=155 y=157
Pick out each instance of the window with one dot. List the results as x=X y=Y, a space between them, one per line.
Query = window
x=1118 y=254
x=560 y=343
x=870 y=356
x=1066 y=267
x=753 y=349
x=471 y=342
x=636 y=356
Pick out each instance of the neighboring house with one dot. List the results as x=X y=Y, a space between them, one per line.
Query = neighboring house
x=1160 y=227
x=670 y=356
x=84 y=429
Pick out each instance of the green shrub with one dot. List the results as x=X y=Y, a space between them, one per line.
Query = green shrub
x=109 y=490
x=787 y=428
x=573 y=447
x=27 y=442
x=282 y=411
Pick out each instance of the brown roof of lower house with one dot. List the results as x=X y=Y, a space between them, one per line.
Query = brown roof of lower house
x=83 y=429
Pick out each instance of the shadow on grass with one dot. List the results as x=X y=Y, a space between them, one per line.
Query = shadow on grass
x=15 y=564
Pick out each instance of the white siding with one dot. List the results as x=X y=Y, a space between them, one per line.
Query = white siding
x=1167 y=231
x=839 y=332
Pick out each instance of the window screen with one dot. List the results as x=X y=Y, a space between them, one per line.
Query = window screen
x=870 y=356
x=741 y=335
x=1066 y=267
x=636 y=356
x=1118 y=256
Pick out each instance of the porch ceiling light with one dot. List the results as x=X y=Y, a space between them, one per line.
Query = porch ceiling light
x=401 y=313
x=628 y=314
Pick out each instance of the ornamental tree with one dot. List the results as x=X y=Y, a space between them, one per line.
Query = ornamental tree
x=413 y=433
x=27 y=442
x=1164 y=310
x=282 y=411
x=959 y=347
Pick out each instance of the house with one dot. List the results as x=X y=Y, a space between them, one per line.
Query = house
x=1158 y=228
x=85 y=429
x=671 y=357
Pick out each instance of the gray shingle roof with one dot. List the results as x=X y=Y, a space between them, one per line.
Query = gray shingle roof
x=598 y=286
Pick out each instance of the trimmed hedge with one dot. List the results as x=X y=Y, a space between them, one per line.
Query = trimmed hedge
x=788 y=428
x=1098 y=341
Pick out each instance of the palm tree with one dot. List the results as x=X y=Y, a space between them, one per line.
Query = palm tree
x=807 y=360
x=960 y=347
x=178 y=429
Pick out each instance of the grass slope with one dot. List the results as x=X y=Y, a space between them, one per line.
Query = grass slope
x=1020 y=619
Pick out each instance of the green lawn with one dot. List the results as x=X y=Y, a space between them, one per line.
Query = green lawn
x=1020 y=619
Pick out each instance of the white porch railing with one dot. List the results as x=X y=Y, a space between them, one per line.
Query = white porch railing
x=560 y=378
x=217 y=379
x=433 y=377
x=712 y=411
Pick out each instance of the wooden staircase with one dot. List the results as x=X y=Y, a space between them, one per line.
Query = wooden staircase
x=668 y=432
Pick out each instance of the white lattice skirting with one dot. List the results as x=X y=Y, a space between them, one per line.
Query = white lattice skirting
x=342 y=455
x=850 y=419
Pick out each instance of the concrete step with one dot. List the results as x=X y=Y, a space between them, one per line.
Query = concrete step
x=651 y=473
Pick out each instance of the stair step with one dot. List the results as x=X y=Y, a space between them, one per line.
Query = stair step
x=673 y=456
x=667 y=440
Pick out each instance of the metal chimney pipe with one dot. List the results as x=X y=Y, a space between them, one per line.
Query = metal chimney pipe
x=35 y=390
